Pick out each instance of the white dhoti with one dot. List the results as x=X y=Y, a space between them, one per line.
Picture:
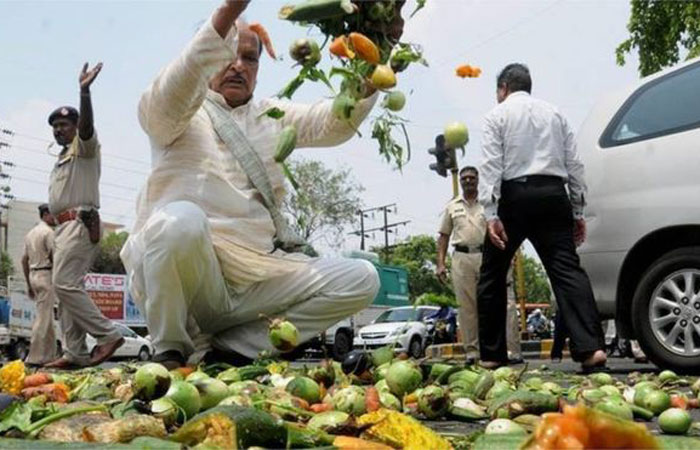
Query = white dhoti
x=181 y=277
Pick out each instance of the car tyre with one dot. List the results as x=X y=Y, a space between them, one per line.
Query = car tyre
x=341 y=345
x=415 y=348
x=144 y=354
x=683 y=260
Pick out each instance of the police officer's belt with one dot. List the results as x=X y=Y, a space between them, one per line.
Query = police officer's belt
x=469 y=249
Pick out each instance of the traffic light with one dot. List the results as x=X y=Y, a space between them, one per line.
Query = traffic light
x=445 y=157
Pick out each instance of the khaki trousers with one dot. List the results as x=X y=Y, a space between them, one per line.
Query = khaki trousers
x=513 y=327
x=465 y=276
x=78 y=314
x=43 y=344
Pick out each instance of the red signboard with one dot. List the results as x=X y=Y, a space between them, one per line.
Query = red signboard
x=108 y=292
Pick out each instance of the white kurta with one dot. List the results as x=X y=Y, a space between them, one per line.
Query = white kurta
x=191 y=163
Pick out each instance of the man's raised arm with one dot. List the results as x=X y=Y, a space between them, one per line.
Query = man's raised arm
x=178 y=91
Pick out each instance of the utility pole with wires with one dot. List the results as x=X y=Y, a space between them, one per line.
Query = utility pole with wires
x=5 y=144
x=387 y=228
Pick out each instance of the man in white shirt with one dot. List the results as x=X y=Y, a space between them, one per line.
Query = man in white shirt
x=209 y=250
x=529 y=158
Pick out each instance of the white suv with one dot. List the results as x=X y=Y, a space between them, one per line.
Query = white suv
x=404 y=327
x=641 y=149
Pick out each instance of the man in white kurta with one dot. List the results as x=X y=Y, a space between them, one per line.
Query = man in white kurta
x=202 y=246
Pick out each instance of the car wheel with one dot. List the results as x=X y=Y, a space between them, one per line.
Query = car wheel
x=144 y=355
x=20 y=350
x=415 y=349
x=666 y=310
x=341 y=345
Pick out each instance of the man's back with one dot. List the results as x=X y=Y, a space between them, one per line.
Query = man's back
x=533 y=135
x=39 y=245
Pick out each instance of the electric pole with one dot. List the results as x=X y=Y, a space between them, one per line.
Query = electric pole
x=386 y=228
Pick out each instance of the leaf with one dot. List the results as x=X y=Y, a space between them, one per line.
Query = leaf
x=273 y=113
x=18 y=416
x=420 y=4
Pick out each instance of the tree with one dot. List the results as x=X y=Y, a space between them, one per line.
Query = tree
x=7 y=269
x=660 y=30
x=108 y=260
x=324 y=202
x=537 y=288
x=418 y=255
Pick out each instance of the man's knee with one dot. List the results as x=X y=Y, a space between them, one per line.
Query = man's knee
x=177 y=227
x=367 y=280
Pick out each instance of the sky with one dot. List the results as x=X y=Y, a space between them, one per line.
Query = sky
x=568 y=44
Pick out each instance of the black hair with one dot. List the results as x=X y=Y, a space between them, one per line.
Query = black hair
x=516 y=77
x=43 y=209
x=469 y=168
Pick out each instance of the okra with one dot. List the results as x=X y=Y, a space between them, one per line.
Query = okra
x=641 y=413
x=317 y=10
x=524 y=402
x=286 y=143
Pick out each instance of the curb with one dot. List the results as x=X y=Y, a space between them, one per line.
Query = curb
x=530 y=350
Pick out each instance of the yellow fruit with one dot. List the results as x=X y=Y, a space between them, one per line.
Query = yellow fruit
x=383 y=77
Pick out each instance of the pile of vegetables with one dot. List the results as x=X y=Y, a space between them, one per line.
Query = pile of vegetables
x=360 y=38
x=373 y=400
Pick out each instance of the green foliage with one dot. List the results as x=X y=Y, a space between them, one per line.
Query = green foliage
x=7 y=269
x=418 y=255
x=108 y=260
x=325 y=201
x=659 y=30
x=433 y=299
x=537 y=288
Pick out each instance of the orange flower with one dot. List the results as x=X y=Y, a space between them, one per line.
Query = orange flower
x=467 y=71
x=340 y=48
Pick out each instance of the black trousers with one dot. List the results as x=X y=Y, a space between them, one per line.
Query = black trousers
x=539 y=210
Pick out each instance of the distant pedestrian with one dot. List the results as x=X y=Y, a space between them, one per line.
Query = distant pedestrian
x=37 y=264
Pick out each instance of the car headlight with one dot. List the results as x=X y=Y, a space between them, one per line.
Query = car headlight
x=395 y=332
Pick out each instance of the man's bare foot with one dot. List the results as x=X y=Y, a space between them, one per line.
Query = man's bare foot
x=492 y=364
x=61 y=364
x=595 y=360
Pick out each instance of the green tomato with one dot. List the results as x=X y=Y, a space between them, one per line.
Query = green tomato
x=675 y=421
x=657 y=401
x=394 y=101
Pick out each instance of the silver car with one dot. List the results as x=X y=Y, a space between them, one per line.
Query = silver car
x=641 y=149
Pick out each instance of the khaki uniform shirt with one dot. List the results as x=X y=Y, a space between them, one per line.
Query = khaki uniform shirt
x=465 y=223
x=38 y=246
x=75 y=178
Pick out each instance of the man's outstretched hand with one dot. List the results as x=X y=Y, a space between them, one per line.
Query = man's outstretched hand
x=237 y=6
x=497 y=233
x=88 y=76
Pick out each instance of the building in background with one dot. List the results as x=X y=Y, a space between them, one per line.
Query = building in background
x=18 y=218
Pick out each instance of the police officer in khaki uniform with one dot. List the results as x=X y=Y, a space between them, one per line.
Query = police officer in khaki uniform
x=74 y=199
x=464 y=224
x=37 y=263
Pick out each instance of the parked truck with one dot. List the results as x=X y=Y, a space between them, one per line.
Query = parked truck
x=17 y=313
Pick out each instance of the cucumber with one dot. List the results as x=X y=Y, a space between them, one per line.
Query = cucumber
x=251 y=372
x=483 y=384
x=524 y=402
x=444 y=376
x=317 y=10
x=641 y=413
x=253 y=427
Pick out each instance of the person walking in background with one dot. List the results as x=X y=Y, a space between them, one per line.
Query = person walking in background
x=74 y=199
x=37 y=264
x=463 y=223
x=528 y=159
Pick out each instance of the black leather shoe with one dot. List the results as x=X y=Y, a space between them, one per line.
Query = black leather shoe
x=216 y=355
x=171 y=359
x=471 y=361
x=515 y=361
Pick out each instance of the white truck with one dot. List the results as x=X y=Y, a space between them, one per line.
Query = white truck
x=17 y=313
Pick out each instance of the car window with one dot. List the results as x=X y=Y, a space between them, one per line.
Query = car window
x=667 y=105
x=424 y=312
x=397 y=315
